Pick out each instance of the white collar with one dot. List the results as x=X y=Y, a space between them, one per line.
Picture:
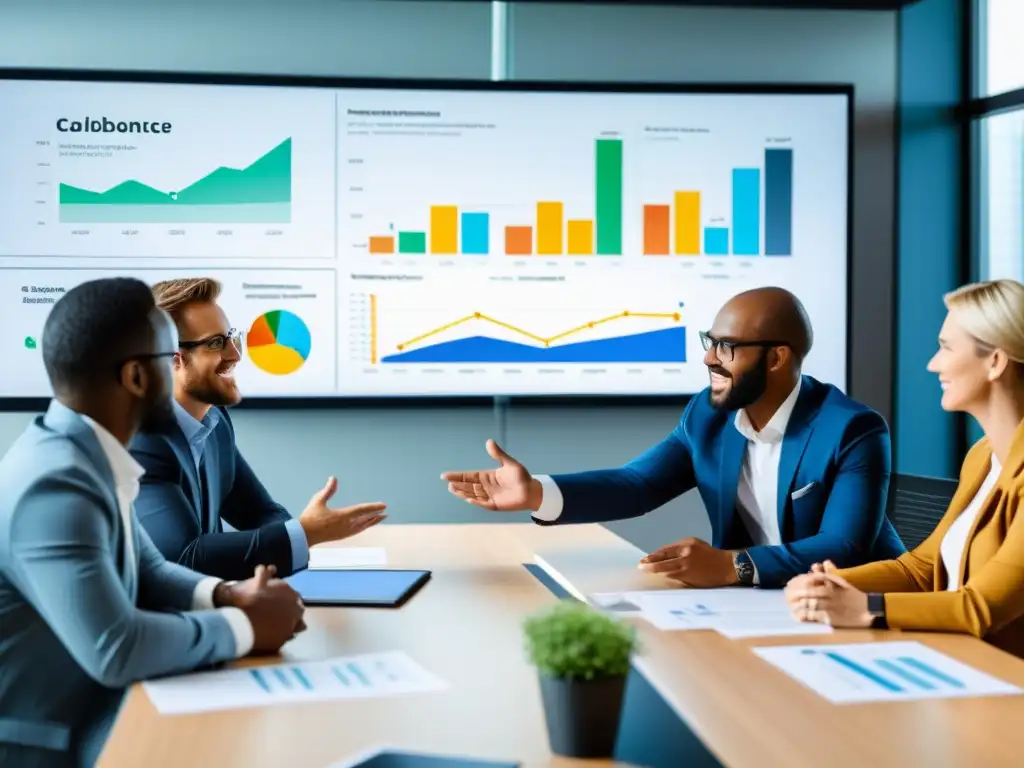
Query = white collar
x=126 y=470
x=775 y=429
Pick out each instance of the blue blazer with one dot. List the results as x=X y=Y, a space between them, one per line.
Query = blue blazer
x=834 y=445
x=77 y=624
x=183 y=509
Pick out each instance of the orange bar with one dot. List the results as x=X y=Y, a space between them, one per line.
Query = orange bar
x=581 y=237
x=549 y=228
x=688 y=223
x=518 y=241
x=382 y=244
x=656 y=230
x=373 y=329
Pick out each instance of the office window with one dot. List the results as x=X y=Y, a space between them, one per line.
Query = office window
x=1002 y=24
x=1002 y=195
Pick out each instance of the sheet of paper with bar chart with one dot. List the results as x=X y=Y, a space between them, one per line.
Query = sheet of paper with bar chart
x=347 y=677
x=887 y=671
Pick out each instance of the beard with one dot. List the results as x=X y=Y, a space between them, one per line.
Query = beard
x=221 y=393
x=746 y=389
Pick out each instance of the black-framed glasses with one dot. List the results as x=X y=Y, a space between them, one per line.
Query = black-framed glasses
x=725 y=350
x=217 y=342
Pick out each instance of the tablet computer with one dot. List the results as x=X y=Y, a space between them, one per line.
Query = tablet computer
x=365 y=587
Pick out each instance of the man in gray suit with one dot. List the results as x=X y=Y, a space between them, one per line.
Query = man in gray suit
x=87 y=604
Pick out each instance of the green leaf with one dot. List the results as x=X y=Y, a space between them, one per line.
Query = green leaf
x=571 y=640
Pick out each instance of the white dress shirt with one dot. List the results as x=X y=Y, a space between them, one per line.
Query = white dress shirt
x=127 y=474
x=757 y=493
x=955 y=541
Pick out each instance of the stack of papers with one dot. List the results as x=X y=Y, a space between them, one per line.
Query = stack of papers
x=734 y=612
x=347 y=557
x=365 y=676
x=898 y=671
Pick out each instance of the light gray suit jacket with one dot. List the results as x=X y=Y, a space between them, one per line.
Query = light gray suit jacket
x=76 y=625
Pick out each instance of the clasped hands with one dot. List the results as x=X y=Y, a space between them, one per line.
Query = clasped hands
x=825 y=597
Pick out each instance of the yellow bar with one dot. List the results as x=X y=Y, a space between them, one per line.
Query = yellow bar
x=581 y=237
x=373 y=329
x=444 y=229
x=687 y=222
x=549 y=228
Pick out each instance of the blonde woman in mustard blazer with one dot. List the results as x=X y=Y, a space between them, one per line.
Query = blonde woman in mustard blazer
x=968 y=576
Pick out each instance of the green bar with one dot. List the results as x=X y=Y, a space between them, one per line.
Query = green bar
x=412 y=242
x=608 y=209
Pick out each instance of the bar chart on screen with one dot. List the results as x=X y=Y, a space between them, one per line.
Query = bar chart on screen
x=583 y=216
x=710 y=205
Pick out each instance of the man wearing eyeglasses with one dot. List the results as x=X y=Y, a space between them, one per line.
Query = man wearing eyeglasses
x=196 y=479
x=792 y=472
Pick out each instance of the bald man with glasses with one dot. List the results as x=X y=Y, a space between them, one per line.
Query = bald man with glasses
x=792 y=471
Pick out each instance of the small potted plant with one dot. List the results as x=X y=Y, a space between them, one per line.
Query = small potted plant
x=582 y=658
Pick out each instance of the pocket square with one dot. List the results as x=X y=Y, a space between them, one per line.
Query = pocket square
x=800 y=493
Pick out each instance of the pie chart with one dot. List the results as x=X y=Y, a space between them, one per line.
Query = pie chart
x=278 y=342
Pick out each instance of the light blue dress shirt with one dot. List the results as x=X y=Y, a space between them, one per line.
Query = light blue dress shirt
x=196 y=433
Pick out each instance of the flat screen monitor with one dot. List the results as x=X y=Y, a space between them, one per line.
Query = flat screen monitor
x=405 y=239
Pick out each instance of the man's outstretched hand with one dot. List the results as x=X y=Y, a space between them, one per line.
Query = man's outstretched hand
x=509 y=488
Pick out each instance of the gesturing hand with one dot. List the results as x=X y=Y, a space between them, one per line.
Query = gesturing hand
x=693 y=563
x=274 y=609
x=509 y=488
x=323 y=523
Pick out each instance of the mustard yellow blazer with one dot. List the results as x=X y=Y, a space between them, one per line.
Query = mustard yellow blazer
x=990 y=602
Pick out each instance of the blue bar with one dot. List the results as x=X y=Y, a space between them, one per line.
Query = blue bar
x=746 y=211
x=778 y=202
x=475 y=233
x=716 y=241
x=358 y=673
x=899 y=671
x=302 y=679
x=864 y=672
x=341 y=676
x=260 y=680
x=280 y=675
x=920 y=666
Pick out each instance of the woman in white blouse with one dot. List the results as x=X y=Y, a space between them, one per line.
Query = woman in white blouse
x=968 y=576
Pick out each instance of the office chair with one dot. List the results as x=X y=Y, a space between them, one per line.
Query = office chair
x=917 y=503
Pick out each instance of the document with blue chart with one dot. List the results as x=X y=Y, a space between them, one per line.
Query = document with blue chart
x=887 y=671
x=347 y=677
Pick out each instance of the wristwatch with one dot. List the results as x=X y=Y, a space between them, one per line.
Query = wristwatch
x=744 y=567
x=876 y=608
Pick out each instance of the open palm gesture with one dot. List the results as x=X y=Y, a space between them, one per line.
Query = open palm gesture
x=508 y=488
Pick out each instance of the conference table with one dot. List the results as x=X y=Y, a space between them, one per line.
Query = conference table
x=727 y=706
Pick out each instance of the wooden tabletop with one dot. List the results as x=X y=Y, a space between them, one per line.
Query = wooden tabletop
x=748 y=713
x=466 y=626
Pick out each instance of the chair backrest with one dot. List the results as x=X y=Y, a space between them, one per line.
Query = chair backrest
x=916 y=504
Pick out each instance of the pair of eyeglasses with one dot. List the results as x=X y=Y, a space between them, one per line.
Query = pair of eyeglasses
x=726 y=350
x=217 y=342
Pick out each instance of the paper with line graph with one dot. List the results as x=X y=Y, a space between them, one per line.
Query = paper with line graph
x=898 y=671
x=346 y=677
